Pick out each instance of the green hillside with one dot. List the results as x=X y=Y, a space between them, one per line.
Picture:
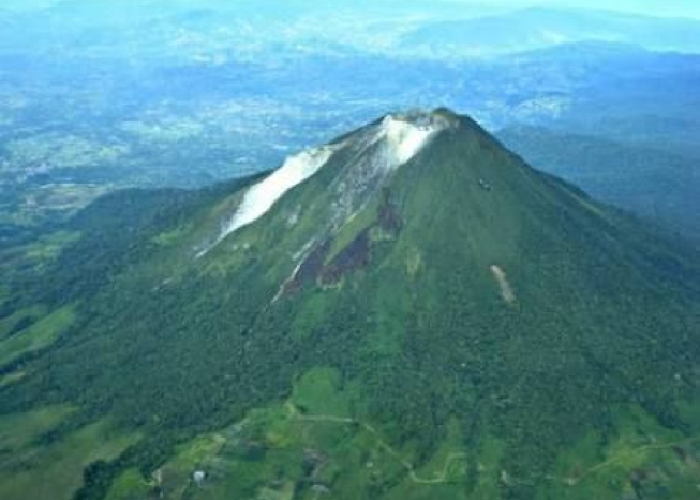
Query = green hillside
x=654 y=182
x=423 y=317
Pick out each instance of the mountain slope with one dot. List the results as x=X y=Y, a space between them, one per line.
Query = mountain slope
x=418 y=315
x=657 y=184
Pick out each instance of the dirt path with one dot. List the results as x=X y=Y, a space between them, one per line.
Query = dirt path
x=440 y=478
x=623 y=456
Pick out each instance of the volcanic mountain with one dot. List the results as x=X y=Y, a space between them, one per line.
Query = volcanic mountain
x=408 y=312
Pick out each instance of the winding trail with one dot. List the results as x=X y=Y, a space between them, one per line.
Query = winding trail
x=439 y=478
x=622 y=456
x=442 y=476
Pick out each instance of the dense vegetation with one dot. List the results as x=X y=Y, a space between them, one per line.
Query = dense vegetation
x=473 y=306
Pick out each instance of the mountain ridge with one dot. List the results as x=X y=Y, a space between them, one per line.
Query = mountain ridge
x=541 y=27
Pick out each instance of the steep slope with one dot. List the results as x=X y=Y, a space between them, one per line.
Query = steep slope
x=660 y=185
x=408 y=312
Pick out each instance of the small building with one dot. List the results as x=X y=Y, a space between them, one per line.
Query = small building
x=484 y=185
x=199 y=476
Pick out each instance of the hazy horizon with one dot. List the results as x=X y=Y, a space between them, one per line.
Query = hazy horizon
x=677 y=8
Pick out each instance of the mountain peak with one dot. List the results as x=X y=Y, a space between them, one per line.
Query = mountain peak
x=406 y=134
x=368 y=156
x=419 y=116
x=438 y=119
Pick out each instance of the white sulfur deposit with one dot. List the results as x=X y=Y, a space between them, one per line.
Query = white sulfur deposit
x=260 y=198
x=399 y=139
x=404 y=139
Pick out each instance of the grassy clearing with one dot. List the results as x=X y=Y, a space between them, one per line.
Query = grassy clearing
x=29 y=315
x=37 y=470
x=11 y=378
x=18 y=430
x=642 y=456
x=171 y=237
x=319 y=392
x=301 y=449
x=413 y=261
x=175 y=477
x=51 y=246
x=37 y=336
x=491 y=453
x=130 y=485
x=445 y=476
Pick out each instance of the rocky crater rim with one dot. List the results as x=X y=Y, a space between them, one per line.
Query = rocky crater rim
x=439 y=118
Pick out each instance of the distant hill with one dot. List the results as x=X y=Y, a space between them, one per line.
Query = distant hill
x=542 y=27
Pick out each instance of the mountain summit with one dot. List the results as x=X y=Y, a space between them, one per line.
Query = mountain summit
x=368 y=157
x=409 y=312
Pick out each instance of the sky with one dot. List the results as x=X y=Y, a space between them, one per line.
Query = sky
x=683 y=8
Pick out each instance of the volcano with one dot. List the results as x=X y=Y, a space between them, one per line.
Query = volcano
x=410 y=311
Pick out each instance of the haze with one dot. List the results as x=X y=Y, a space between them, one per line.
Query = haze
x=684 y=8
